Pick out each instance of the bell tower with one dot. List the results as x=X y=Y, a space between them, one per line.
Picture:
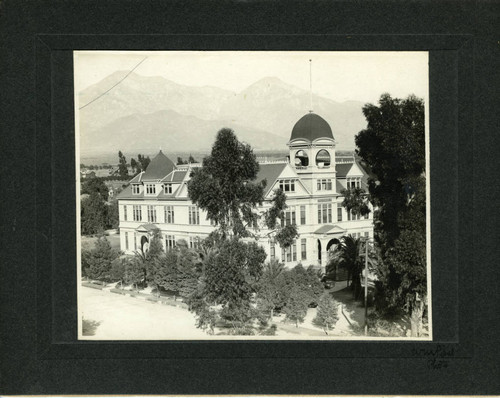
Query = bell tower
x=312 y=153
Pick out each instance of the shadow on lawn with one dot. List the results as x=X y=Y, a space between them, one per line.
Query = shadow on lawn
x=89 y=327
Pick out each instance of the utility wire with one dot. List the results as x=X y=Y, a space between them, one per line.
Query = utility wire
x=107 y=91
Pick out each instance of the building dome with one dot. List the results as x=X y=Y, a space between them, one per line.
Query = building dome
x=311 y=127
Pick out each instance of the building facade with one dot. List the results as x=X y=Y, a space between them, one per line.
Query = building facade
x=312 y=177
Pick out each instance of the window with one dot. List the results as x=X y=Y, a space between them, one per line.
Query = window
x=324 y=213
x=126 y=240
x=194 y=242
x=366 y=216
x=169 y=214
x=169 y=242
x=137 y=213
x=167 y=189
x=303 y=249
x=290 y=253
x=135 y=242
x=194 y=215
x=151 y=214
x=125 y=213
x=325 y=185
x=367 y=234
x=353 y=217
x=339 y=212
x=288 y=217
x=353 y=183
x=150 y=189
x=323 y=158
x=272 y=252
x=287 y=185
x=302 y=215
x=136 y=189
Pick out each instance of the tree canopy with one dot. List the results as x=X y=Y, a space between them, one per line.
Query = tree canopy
x=393 y=147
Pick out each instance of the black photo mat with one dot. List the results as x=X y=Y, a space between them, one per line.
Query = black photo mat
x=40 y=350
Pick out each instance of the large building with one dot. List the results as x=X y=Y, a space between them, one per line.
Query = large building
x=312 y=178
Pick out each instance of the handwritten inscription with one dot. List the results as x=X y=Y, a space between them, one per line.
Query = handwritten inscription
x=438 y=356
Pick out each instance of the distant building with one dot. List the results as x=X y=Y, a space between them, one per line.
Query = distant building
x=311 y=177
x=86 y=174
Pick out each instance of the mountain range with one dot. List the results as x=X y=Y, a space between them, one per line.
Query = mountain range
x=143 y=114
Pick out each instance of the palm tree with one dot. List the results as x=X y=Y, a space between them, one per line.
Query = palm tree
x=350 y=255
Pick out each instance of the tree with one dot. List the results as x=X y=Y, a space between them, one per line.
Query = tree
x=349 y=255
x=95 y=185
x=393 y=147
x=269 y=291
x=180 y=161
x=327 y=313
x=187 y=271
x=93 y=214
x=229 y=281
x=134 y=271
x=98 y=261
x=191 y=159
x=165 y=273
x=355 y=201
x=296 y=306
x=122 y=164
x=224 y=187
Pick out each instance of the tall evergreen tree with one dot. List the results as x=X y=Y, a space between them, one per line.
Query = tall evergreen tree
x=393 y=147
x=122 y=165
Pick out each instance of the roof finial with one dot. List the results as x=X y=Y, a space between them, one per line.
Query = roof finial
x=310 y=87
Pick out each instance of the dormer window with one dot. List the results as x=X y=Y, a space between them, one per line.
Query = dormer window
x=136 y=189
x=167 y=189
x=150 y=189
x=287 y=185
x=353 y=183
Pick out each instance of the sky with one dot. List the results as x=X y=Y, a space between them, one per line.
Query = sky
x=340 y=76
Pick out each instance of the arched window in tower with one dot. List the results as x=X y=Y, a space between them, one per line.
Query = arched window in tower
x=323 y=158
x=301 y=159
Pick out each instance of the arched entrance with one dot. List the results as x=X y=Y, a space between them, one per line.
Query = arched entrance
x=319 y=251
x=144 y=243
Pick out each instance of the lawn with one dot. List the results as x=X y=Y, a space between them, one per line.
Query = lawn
x=87 y=242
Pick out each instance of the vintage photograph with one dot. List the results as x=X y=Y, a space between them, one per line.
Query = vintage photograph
x=246 y=195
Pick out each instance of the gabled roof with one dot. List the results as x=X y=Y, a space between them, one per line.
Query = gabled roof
x=330 y=229
x=146 y=228
x=159 y=167
x=270 y=172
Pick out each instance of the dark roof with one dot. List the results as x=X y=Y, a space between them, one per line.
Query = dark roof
x=127 y=194
x=137 y=178
x=342 y=169
x=311 y=127
x=159 y=167
x=175 y=176
x=270 y=172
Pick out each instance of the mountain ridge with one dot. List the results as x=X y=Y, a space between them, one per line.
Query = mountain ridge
x=268 y=106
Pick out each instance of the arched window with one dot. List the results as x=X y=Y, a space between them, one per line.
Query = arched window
x=301 y=159
x=323 y=158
